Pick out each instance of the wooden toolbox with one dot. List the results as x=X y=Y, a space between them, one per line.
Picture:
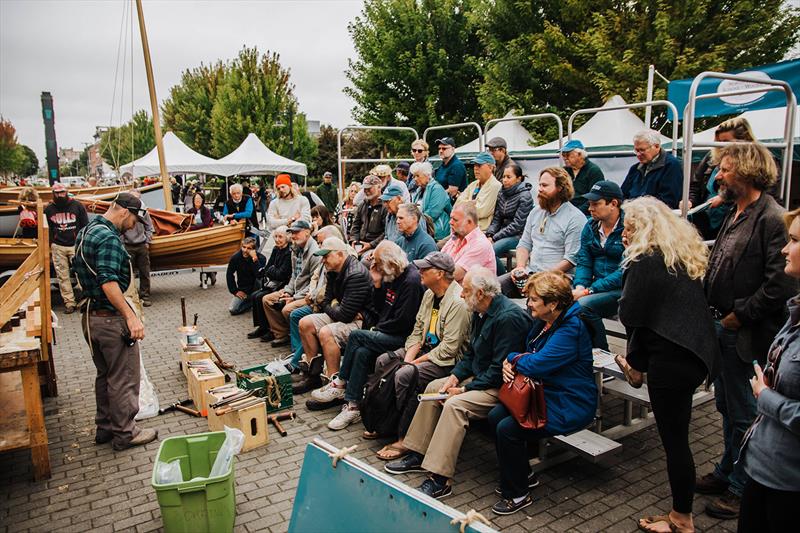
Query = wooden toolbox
x=200 y=382
x=193 y=353
x=252 y=421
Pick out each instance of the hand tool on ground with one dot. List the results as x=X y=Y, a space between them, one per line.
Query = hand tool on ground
x=183 y=312
x=194 y=325
x=224 y=365
x=275 y=420
x=238 y=406
x=180 y=406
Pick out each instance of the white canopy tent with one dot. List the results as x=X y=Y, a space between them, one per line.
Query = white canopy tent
x=512 y=131
x=180 y=159
x=252 y=157
x=767 y=125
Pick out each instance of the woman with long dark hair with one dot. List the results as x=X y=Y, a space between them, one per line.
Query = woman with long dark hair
x=201 y=214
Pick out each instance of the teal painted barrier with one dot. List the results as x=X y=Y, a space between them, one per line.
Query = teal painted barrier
x=354 y=497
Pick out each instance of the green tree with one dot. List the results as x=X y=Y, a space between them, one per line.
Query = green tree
x=10 y=154
x=187 y=111
x=417 y=65
x=256 y=96
x=119 y=146
x=327 y=157
x=29 y=163
x=563 y=55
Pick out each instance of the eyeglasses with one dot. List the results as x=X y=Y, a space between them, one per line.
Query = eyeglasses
x=444 y=148
x=773 y=360
x=417 y=150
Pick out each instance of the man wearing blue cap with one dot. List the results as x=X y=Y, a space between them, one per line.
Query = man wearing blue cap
x=392 y=197
x=484 y=190
x=583 y=172
x=598 y=277
x=451 y=174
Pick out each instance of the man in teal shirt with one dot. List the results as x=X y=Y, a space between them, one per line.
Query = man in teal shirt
x=451 y=174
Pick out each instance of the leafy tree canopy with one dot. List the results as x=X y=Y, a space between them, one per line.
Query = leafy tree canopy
x=119 y=146
x=29 y=163
x=11 y=157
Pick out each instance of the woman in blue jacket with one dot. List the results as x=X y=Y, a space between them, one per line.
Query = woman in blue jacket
x=560 y=354
x=432 y=199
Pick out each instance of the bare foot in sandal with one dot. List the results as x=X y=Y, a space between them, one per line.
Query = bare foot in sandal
x=632 y=376
x=393 y=451
x=673 y=522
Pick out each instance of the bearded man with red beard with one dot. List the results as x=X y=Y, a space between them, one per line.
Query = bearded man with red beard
x=552 y=236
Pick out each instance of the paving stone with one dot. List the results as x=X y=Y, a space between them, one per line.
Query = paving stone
x=95 y=488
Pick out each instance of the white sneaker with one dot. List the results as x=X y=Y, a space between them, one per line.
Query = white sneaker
x=328 y=393
x=347 y=416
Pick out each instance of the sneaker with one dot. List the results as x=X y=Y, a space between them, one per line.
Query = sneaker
x=710 y=484
x=143 y=437
x=435 y=489
x=504 y=506
x=328 y=393
x=283 y=341
x=259 y=331
x=146 y=303
x=102 y=436
x=533 y=481
x=348 y=415
x=70 y=309
x=405 y=465
x=726 y=507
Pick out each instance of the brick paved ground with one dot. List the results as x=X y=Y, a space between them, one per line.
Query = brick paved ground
x=95 y=488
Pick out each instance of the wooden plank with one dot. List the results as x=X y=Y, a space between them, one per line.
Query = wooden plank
x=14 y=432
x=40 y=455
x=11 y=285
x=12 y=304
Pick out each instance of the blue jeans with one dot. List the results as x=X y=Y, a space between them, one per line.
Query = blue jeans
x=501 y=247
x=595 y=308
x=512 y=451
x=239 y=306
x=294 y=332
x=736 y=404
x=358 y=362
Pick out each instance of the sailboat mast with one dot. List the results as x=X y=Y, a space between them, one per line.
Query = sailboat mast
x=154 y=105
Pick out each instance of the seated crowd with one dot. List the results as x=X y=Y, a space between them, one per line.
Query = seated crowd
x=375 y=299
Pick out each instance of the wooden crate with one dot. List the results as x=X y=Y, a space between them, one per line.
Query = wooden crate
x=252 y=421
x=198 y=385
x=193 y=353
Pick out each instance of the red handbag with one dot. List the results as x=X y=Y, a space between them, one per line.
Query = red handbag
x=524 y=399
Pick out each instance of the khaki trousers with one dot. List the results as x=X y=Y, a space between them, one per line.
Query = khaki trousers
x=437 y=431
x=279 y=320
x=61 y=258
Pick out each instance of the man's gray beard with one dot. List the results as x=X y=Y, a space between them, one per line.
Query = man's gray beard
x=388 y=278
x=472 y=303
x=728 y=194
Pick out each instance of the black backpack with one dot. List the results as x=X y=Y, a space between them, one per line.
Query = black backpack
x=379 y=409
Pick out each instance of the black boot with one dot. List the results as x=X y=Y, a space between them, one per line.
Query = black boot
x=310 y=373
x=256 y=332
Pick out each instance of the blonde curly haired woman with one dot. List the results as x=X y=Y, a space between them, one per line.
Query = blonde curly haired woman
x=670 y=336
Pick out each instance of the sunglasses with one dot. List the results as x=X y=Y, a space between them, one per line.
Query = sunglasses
x=417 y=150
x=773 y=360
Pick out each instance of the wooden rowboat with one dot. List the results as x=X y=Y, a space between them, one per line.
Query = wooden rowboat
x=14 y=251
x=46 y=193
x=194 y=249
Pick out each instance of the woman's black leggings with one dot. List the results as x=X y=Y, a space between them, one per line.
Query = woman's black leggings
x=673 y=374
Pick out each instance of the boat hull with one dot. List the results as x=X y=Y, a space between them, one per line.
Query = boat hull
x=14 y=251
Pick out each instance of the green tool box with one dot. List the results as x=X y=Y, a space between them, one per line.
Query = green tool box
x=196 y=506
x=284 y=385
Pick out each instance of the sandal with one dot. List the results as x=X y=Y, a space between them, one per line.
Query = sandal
x=651 y=520
x=369 y=435
x=632 y=376
x=399 y=452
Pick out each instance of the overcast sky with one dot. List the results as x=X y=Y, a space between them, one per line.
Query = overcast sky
x=69 y=48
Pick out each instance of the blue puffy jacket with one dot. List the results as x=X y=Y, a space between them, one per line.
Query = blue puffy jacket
x=598 y=266
x=562 y=359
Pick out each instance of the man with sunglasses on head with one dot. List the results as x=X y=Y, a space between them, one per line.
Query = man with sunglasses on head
x=498 y=147
x=551 y=239
x=111 y=326
x=451 y=174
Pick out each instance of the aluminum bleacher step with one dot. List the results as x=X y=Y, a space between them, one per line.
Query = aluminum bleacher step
x=621 y=388
x=589 y=444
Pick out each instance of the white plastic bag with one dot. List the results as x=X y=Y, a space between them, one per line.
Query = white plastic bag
x=167 y=473
x=148 y=400
x=234 y=440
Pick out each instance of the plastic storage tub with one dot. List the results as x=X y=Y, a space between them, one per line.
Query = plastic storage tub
x=204 y=505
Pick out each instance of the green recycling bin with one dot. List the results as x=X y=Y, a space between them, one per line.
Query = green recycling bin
x=201 y=505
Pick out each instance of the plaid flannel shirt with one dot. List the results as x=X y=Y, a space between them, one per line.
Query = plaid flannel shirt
x=105 y=253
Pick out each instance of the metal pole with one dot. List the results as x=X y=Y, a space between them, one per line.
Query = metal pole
x=148 y=66
x=291 y=133
x=648 y=111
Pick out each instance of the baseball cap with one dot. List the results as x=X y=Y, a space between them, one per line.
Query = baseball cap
x=371 y=181
x=445 y=140
x=331 y=244
x=574 y=144
x=484 y=158
x=607 y=190
x=298 y=225
x=132 y=204
x=59 y=187
x=391 y=192
x=403 y=166
x=497 y=142
x=381 y=171
x=438 y=260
